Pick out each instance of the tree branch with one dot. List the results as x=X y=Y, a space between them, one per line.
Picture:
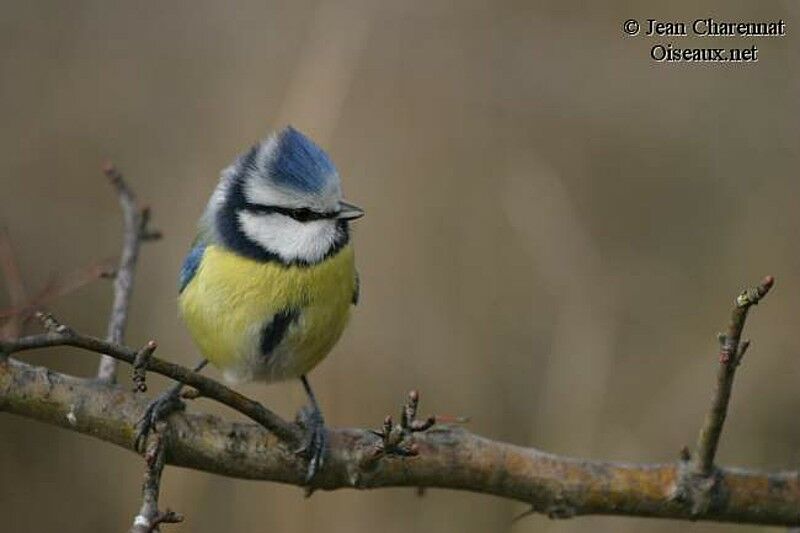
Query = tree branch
x=135 y=231
x=447 y=457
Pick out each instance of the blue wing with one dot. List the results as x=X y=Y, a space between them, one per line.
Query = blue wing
x=190 y=265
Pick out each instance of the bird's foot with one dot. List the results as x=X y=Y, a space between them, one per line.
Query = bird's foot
x=315 y=443
x=165 y=404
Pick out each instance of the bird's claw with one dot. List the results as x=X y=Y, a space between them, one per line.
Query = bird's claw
x=315 y=443
x=157 y=410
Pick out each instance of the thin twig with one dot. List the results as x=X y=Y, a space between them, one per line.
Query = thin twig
x=135 y=230
x=731 y=352
x=148 y=233
x=140 y=366
x=396 y=438
x=165 y=517
x=60 y=335
x=149 y=516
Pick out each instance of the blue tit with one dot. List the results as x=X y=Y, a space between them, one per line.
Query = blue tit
x=268 y=286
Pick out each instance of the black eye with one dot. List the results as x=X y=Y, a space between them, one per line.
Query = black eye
x=301 y=214
x=305 y=215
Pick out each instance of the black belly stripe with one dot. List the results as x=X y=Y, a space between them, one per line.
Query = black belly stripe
x=356 y=290
x=276 y=329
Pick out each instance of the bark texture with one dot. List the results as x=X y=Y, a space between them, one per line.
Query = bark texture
x=446 y=457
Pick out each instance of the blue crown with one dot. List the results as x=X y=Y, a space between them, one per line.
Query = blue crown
x=300 y=164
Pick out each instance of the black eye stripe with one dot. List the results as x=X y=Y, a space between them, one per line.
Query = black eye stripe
x=302 y=214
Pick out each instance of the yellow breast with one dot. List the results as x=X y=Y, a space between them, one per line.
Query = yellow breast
x=231 y=299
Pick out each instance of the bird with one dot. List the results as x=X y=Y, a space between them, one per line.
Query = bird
x=269 y=283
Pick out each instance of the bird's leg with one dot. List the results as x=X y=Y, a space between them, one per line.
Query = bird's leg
x=164 y=405
x=316 y=441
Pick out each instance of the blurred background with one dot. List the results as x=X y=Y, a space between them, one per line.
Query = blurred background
x=556 y=229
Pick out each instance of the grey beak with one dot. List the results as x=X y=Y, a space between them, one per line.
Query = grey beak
x=349 y=211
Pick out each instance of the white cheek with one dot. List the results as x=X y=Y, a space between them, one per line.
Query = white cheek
x=289 y=239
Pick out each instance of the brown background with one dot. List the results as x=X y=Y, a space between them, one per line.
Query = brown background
x=556 y=229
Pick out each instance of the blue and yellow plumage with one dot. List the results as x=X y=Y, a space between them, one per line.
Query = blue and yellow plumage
x=232 y=299
x=267 y=289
